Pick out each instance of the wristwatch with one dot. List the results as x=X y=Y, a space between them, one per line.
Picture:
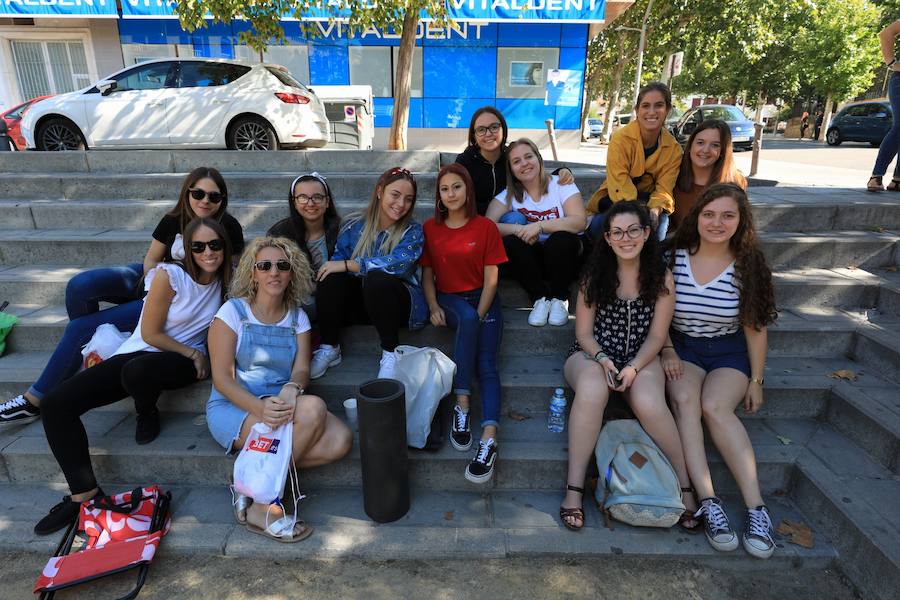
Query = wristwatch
x=760 y=380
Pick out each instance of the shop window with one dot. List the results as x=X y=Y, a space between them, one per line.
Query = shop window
x=522 y=72
x=44 y=68
x=375 y=66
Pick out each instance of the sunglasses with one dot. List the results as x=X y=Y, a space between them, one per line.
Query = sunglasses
x=214 y=197
x=266 y=265
x=215 y=245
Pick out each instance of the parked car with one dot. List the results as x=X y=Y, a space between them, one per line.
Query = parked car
x=13 y=119
x=862 y=122
x=593 y=128
x=621 y=120
x=741 y=127
x=197 y=103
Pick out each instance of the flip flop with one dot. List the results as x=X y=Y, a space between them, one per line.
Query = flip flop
x=283 y=530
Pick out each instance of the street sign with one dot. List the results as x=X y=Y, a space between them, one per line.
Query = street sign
x=677 y=61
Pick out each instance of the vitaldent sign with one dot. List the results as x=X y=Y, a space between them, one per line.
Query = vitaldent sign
x=519 y=11
x=58 y=8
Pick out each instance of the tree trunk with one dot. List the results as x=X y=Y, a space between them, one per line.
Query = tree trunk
x=402 y=81
x=585 y=109
x=826 y=117
x=760 y=102
x=614 y=91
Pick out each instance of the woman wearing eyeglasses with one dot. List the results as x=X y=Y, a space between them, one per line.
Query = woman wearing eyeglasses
x=373 y=276
x=485 y=157
x=313 y=223
x=259 y=344
x=166 y=352
x=625 y=305
x=203 y=195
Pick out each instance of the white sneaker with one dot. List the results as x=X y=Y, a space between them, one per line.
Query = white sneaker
x=388 y=366
x=539 y=313
x=325 y=356
x=559 y=312
x=757 y=536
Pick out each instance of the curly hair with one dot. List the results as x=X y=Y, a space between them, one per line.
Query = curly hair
x=300 y=287
x=754 y=276
x=600 y=277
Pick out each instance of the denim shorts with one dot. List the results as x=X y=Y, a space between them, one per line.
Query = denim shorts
x=225 y=420
x=725 y=351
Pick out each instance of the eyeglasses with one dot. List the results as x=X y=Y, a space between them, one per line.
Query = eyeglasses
x=315 y=199
x=633 y=232
x=215 y=245
x=266 y=265
x=483 y=131
x=214 y=197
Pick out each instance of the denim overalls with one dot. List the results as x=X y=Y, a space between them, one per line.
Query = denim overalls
x=263 y=363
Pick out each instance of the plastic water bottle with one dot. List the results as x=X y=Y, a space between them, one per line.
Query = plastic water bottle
x=556 y=419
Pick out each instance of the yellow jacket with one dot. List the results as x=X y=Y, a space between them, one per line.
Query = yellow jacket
x=625 y=161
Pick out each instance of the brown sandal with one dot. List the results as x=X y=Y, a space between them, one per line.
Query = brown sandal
x=573 y=513
x=877 y=186
x=688 y=516
x=894 y=185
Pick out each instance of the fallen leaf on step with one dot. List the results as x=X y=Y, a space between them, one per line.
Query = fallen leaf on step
x=797 y=533
x=779 y=492
x=878 y=229
x=844 y=374
x=891 y=269
x=448 y=516
x=517 y=416
x=784 y=440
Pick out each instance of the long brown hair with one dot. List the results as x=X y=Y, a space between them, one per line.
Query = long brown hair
x=723 y=171
x=183 y=211
x=473 y=139
x=223 y=273
x=440 y=211
x=754 y=276
x=512 y=182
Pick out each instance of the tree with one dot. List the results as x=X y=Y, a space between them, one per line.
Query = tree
x=838 y=50
x=265 y=17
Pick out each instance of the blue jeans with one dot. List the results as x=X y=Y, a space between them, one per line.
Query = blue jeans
x=477 y=343
x=595 y=227
x=890 y=145
x=84 y=293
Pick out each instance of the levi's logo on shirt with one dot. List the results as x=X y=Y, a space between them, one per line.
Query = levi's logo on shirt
x=540 y=215
x=264 y=445
x=472 y=244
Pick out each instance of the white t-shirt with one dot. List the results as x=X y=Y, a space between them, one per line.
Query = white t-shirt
x=547 y=207
x=228 y=314
x=190 y=314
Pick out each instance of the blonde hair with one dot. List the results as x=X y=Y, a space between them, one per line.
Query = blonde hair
x=513 y=183
x=365 y=246
x=300 y=287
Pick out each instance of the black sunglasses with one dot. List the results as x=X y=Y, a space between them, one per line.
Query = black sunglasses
x=265 y=265
x=214 y=197
x=215 y=245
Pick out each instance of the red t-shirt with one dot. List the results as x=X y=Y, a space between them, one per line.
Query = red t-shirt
x=458 y=256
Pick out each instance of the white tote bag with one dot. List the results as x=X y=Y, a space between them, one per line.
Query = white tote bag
x=427 y=374
x=103 y=344
x=261 y=468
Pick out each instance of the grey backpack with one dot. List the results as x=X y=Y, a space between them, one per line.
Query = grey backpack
x=637 y=483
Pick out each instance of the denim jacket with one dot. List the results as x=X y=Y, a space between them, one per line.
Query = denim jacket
x=402 y=263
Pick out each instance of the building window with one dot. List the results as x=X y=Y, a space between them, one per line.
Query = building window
x=375 y=66
x=522 y=72
x=133 y=54
x=44 y=68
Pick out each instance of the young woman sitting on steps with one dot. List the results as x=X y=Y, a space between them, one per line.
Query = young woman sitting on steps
x=260 y=350
x=203 y=194
x=459 y=276
x=166 y=351
x=716 y=356
x=625 y=304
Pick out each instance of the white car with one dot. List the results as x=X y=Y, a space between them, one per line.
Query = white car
x=184 y=102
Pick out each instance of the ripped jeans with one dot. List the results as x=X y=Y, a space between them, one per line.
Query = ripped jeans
x=476 y=345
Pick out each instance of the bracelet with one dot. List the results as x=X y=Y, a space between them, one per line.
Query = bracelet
x=891 y=64
x=194 y=354
x=346 y=268
x=299 y=387
x=600 y=356
x=664 y=347
x=632 y=365
x=759 y=380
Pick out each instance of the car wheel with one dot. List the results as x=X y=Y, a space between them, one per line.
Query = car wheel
x=833 y=137
x=59 y=135
x=252 y=133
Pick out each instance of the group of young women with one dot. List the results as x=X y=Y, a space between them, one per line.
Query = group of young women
x=690 y=327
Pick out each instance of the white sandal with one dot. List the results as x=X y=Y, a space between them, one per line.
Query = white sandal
x=283 y=530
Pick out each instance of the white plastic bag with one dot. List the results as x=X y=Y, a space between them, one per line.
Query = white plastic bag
x=261 y=468
x=103 y=344
x=427 y=374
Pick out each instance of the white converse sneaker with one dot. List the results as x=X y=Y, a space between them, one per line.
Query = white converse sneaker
x=325 y=356
x=388 y=366
x=757 y=536
x=559 y=312
x=539 y=313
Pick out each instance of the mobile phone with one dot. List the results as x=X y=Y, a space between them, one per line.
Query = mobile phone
x=611 y=379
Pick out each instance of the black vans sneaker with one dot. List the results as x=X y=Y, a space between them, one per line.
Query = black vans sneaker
x=757 y=536
x=481 y=469
x=60 y=516
x=147 y=427
x=718 y=531
x=460 y=430
x=18 y=411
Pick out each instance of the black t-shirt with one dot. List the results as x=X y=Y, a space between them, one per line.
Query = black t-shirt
x=168 y=229
x=489 y=179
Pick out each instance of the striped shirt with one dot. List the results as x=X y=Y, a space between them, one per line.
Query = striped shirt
x=709 y=310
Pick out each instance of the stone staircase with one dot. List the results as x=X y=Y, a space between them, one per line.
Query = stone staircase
x=828 y=449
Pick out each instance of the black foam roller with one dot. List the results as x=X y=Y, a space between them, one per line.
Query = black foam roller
x=381 y=405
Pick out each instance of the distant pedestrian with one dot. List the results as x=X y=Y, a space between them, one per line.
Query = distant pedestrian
x=804 y=124
x=890 y=145
x=819 y=118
